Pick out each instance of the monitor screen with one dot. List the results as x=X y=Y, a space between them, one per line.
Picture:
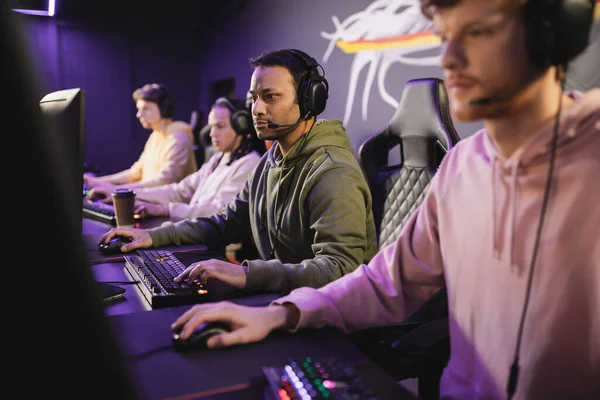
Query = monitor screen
x=61 y=334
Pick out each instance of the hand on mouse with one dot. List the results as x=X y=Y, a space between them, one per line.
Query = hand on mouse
x=141 y=238
x=230 y=273
x=248 y=324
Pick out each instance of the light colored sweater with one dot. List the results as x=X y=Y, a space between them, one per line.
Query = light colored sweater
x=166 y=158
x=205 y=191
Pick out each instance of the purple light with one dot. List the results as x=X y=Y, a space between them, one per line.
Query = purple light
x=45 y=13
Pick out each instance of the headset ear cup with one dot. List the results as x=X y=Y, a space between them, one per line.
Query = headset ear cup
x=557 y=31
x=318 y=92
x=573 y=31
x=166 y=107
x=165 y=103
x=313 y=91
x=312 y=95
x=241 y=122
x=536 y=42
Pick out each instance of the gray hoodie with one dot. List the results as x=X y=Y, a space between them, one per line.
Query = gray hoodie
x=308 y=213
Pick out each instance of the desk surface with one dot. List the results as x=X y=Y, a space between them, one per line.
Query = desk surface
x=92 y=226
x=159 y=372
x=112 y=269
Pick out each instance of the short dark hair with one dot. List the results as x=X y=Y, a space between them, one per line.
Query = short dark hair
x=156 y=93
x=283 y=58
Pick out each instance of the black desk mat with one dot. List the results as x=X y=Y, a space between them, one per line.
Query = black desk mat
x=161 y=373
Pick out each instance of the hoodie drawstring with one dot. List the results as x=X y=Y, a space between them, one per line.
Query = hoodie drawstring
x=495 y=246
x=513 y=211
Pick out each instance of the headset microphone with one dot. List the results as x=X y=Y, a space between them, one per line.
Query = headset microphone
x=271 y=125
x=484 y=101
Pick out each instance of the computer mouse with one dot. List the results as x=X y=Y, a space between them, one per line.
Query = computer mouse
x=200 y=336
x=114 y=245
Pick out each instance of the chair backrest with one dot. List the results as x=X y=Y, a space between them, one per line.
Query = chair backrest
x=422 y=131
x=197 y=121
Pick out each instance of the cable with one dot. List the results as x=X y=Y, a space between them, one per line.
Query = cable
x=122 y=282
x=513 y=377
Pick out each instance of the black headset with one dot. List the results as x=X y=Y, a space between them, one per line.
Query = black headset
x=557 y=30
x=313 y=91
x=165 y=102
x=240 y=119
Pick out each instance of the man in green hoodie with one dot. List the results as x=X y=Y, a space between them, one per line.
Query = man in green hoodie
x=306 y=206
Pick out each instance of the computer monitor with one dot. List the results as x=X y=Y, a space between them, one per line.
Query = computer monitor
x=59 y=331
x=64 y=114
x=64 y=119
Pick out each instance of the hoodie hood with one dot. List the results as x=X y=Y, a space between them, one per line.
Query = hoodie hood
x=531 y=161
x=329 y=133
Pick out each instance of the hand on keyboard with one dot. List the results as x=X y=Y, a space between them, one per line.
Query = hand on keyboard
x=100 y=191
x=232 y=274
x=141 y=238
x=145 y=209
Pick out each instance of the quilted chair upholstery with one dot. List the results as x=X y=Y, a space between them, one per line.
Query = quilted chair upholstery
x=422 y=132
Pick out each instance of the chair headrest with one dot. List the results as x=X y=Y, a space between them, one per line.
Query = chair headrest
x=424 y=112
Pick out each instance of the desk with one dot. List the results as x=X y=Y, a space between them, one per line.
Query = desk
x=114 y=270
x=161 y=373
x=92 y=226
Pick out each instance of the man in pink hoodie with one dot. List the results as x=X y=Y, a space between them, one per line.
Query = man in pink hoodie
x=510 y=224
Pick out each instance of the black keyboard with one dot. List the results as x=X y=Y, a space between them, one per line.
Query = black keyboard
x=318 y=379
x=99 y=211
x=156 y=269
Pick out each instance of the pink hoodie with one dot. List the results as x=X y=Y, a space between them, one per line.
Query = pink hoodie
x=475 y=232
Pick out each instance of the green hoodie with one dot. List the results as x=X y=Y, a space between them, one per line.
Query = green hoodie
x=308 y=213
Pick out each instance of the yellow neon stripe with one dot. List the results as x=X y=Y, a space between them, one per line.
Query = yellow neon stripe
x=354 y=47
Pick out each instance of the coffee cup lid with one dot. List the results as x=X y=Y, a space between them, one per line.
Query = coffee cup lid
x=123 y=192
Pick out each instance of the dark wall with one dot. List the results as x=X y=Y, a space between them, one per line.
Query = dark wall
x=109 y=63
x=365 y=47
x=367 y=84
